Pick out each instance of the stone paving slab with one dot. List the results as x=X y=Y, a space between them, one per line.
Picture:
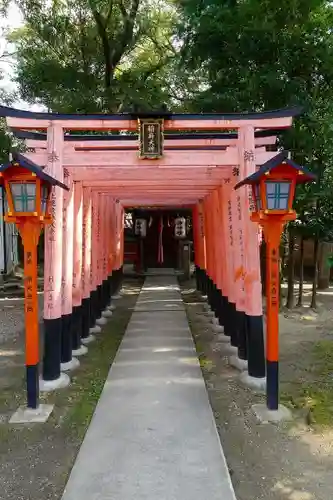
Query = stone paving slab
x=153 y=435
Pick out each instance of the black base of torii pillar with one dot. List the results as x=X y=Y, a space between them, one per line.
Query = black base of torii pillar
x=245 y=331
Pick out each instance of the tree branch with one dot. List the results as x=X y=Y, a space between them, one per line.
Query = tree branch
x=101 y=28
x=109 y=14
x=126 y=37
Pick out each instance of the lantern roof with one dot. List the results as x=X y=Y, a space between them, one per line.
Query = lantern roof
x=302 y=173
x=32 y=167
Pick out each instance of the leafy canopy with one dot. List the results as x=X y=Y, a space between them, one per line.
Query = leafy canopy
x=96 y=55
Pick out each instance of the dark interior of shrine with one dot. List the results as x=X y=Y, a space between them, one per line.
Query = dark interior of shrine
x=160 y=247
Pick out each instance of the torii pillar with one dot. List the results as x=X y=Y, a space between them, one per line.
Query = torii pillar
x=68 y=362
x=94 y=302
x=77 y=323
x=52 y=377
x=88 y=320
x=199 y=246
x=252 y=280
x=107 y=313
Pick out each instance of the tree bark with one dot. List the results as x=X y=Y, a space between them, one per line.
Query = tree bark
x=301 y=274
x=102 y=31
x=313 y=304
x=291 y=270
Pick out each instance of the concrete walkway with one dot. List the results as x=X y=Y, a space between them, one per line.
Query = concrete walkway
x=153 y=435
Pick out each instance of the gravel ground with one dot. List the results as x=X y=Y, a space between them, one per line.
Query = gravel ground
x=12 y=316
x=271 y=462
x=12 y=339
x=285 y=462
x=35 y=460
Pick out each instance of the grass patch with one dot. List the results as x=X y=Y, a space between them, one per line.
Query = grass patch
x=191 y=300
x=315 y=398
x=88 y=383
x=87 y=387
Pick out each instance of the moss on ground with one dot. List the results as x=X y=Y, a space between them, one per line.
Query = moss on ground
x=315 y=397
x=87 y=383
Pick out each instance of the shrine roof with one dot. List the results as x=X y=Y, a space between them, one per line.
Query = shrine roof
x=32 y=167
x=273 y=163
x=278 y=113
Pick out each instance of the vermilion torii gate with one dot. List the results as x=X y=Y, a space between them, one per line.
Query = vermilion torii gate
x=199 y=168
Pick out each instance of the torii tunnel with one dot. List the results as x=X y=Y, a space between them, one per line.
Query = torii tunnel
x=203 y=158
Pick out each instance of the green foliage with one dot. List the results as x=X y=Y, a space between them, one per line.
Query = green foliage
x=225 y=55
x=257 y=54
x=261 y=55
x=6 y=140
x=95 y=55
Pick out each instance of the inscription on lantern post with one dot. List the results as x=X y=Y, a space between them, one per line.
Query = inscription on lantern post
x=274 y=278
x=29 y=306
x=29 y=303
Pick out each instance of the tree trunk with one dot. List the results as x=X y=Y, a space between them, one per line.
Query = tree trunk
x=291 y=270
x=301 y=274
x=315 y=274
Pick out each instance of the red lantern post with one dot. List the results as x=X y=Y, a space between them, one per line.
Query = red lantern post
x=273 y=187
x=28 y=191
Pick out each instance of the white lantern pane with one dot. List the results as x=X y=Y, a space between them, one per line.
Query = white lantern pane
x=18 y=205
x=31 y=205
x=16 y=189
x=24 y=196
x=277 y=195
x=270 y=188
x=257 y=196
x=30 y=189
x=284 y=188
x=283 y=204
x=44 y=198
